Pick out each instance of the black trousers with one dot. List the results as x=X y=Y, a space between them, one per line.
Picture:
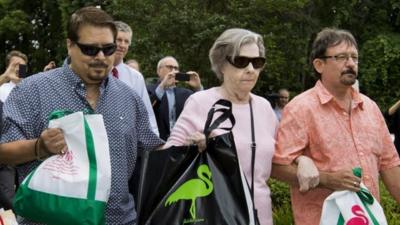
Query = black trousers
x=7 y=186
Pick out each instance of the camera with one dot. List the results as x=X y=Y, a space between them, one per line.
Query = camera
x=182 y=76
x=22 y=71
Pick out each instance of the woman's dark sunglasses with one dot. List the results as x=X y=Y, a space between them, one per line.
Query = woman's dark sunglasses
x=242 y=61
x=91 y=50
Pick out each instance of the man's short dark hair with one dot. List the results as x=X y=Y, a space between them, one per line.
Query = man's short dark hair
x=15 y=53
x=329 y=37
x=89 y=16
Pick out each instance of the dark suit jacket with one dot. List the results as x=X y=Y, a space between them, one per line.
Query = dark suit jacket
x=160 y=107
x=393 y=123
x=7 y=177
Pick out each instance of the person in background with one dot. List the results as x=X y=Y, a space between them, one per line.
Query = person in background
x=237 y=58
x=11 y=77
x=338 y=128
x=283 y=99
x=129 y=76
x=167 y=99
x=7 y=179
x=83 y=83
x=392 y=116
x=133 y=63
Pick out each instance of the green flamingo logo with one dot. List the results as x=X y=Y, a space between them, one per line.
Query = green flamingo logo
x=193 y=189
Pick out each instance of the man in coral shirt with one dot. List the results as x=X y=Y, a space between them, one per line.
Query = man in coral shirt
x=336 y=126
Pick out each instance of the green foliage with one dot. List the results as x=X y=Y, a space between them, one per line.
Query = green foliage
x=390 y=206
x=281 y=204
x=187 y=30
x=381 y=68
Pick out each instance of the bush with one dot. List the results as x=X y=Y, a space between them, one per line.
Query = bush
x=390 y=206
x=281 y=204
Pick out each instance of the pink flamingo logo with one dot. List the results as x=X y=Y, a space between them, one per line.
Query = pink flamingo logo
x=360 y=218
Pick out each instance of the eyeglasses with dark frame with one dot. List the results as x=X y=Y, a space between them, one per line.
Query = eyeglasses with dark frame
x=92 y=50
x=171 y=67
x=341 y=58
x=243 y=61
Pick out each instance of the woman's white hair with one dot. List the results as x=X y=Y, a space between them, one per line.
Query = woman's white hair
x=228 y=44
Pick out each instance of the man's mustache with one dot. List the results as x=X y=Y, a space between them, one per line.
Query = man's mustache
x=349 y=71
x=98 y=65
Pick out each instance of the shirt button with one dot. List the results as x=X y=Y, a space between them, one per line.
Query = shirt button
x=82 y=85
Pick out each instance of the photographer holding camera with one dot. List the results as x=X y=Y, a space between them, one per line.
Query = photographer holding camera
x=168 y=99
x=16 y=62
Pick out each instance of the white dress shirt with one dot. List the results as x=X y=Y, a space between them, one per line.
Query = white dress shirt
x=135 y=80
x=5 y=90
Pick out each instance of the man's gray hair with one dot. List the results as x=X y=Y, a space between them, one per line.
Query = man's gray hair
x=123 y=27
x=161 y=61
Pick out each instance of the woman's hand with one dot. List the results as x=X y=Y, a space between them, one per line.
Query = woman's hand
x=307 y=173
x=198 y=139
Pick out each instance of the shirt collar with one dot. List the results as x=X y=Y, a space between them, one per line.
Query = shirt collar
x=325 y=96
x=72 y=78
x=119 y=64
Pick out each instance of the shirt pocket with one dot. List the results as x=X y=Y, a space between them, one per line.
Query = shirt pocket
x=372 y=139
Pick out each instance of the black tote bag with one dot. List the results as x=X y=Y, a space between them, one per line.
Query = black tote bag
x=179 y=185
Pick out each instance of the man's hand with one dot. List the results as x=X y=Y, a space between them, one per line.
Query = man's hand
x=51 y=65
x=194 y=82
x=307 y=173
x=168 y=81
x=53 y=141
x=11 y=72
x=341 y=180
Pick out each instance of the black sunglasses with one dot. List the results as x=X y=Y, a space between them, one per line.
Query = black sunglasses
x=91 y=50
x=242 y=61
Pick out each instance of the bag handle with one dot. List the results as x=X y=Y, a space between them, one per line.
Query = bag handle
x=226 y=110
x=365 y=197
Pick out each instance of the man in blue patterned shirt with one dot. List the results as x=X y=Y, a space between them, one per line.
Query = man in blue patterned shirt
x=83 y=82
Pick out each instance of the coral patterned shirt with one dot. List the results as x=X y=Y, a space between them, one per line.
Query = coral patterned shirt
x=313 y=124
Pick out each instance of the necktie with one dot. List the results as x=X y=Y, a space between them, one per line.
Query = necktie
x=115 y=72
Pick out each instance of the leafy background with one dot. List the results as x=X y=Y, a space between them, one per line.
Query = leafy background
x=187 y=29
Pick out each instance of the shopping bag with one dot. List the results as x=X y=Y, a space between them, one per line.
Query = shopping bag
x=72 y=188
x=7 y=218
x=179 y=185
x=352 y=208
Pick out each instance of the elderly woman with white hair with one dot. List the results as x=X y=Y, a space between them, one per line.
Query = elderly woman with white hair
x=237 y=58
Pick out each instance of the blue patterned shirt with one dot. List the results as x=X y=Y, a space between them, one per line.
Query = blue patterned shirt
x=125 y=117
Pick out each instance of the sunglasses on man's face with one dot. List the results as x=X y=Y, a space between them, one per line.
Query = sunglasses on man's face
x=243 y=61
x=92 y=50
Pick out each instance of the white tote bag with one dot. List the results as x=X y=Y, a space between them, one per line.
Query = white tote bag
x=352 y=208
x=72 y=188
